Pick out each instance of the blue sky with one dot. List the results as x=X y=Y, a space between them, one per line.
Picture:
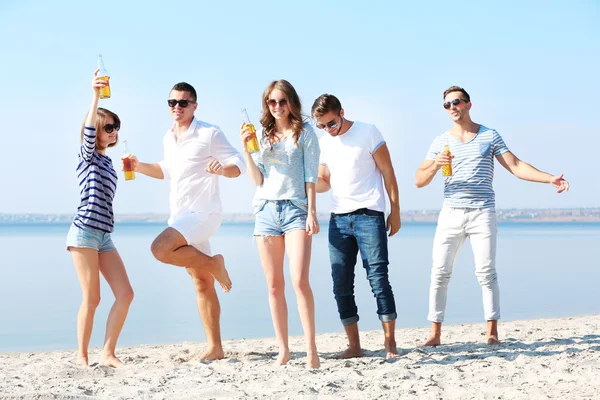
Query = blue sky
x=531 y=70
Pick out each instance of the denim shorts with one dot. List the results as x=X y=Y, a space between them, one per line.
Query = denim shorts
x=88 y=238
x=278 y=217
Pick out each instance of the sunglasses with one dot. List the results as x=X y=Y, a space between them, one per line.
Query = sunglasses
x=108 y=128
x=272 y=103
x=330 y=125
x=182 y=103
x=454 y=102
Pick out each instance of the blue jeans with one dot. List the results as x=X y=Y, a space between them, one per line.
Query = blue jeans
x=362 y=230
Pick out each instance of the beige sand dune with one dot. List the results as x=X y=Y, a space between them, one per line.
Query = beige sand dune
x=539 y=359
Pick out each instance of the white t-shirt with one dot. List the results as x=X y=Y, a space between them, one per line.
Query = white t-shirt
x=192 y=188
x=356 y=182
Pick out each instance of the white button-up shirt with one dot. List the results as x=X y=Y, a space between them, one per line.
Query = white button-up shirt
x=192 y=188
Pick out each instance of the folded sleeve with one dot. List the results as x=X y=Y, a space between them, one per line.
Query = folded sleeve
x=224 y=152
x=312 y=152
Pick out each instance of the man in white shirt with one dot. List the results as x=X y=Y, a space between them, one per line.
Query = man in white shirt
x=196 y=154
x=354 y=159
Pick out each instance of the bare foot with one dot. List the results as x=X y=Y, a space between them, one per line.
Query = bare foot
x=492 y=340
x=391 y=351
x=284 y=357
x=212 y=354
x=350 y=353
x=82 y=360
x=220 y=273
x=312 y=360
x=432 y=341
x=110 y=361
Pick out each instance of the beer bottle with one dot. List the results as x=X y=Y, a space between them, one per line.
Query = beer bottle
x=252 y=142
x=128 y=165
x=103 y=74
x=447 y=169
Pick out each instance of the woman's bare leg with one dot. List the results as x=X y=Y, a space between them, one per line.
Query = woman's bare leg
x=298 y=246
x=271 y=250
x=113 y=270
x=87 y=266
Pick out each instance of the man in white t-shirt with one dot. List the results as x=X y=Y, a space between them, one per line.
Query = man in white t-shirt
x=469 y=206
x=196 y=154
x=355 y=164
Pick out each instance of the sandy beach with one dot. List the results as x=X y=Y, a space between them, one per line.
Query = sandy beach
x=539 y=359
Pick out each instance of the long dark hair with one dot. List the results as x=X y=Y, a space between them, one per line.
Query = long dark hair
x=268 y=121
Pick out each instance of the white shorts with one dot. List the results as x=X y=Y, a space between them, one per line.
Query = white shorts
x=197 y=228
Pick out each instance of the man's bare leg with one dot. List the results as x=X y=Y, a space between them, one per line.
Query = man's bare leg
x=170 y=247
x=492 y=333
x=210 y=312
x=436 y=334
x=389 y=341
x=353 y=349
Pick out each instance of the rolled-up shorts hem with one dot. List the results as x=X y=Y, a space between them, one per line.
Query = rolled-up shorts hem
x=277 y=233
x=70 y=246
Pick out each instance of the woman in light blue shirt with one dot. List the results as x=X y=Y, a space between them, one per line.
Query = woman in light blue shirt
x=285 y=169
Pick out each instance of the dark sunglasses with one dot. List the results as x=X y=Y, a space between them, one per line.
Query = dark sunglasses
x=454 y=102
x=108 y=128
x=331 y=125
x=272 y=103
x=182 y=103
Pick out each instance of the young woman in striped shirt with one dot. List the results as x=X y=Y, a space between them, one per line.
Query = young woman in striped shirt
x=89 y=238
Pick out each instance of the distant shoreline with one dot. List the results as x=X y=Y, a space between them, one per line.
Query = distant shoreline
x=589 y=214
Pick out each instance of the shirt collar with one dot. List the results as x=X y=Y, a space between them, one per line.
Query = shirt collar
x=190 y=130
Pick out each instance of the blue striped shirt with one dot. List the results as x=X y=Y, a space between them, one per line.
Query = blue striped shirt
x=470 y=185
x=97 y=186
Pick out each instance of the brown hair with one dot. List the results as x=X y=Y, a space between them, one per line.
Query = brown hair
x=268 y=121
x=324 y=104
x=457 y=89
x=102 y=115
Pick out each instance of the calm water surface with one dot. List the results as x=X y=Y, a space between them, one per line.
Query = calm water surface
x=545 y=270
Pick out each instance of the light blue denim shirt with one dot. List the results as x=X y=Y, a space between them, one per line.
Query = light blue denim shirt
x=286 y=168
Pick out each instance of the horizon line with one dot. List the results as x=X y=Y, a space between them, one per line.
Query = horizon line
x=322 y=212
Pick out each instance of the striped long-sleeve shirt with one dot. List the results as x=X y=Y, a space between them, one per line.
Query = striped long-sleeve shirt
x=97 y=186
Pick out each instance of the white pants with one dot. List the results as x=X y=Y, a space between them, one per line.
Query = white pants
x=454 y=226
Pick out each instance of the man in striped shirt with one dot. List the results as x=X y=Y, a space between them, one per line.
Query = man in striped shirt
x=469 y=206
